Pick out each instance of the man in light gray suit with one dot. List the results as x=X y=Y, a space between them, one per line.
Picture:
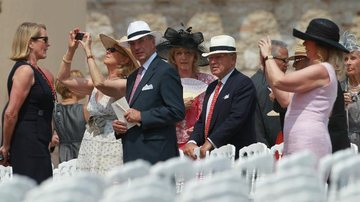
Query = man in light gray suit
x=154 y=93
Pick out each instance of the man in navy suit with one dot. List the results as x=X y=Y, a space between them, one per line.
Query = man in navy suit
x=229 y=104
x=154 y=93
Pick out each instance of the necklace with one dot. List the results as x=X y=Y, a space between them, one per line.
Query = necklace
x=48 y=82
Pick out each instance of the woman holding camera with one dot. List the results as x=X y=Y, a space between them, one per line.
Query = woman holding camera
x=99 y=150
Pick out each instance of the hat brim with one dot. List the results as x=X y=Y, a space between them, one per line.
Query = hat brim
x=155 y=34
x=216 y=52
x=294 y=56
x=109 y=42
x=322 y=41
x=164 y=48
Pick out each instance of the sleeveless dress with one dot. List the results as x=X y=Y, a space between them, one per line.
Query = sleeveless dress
x=99 y=150
x=306 y=119
x=29 y=153
x=70 y=126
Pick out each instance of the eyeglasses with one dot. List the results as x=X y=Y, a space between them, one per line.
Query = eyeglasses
x=44 y=38
x=299 y=59
x=284 y=60
x=111 y=50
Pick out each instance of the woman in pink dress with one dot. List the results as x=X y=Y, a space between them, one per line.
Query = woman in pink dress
x=183 y=50
x=314 y=87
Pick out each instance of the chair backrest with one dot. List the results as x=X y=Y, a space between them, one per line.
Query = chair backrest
x=67 y=168
x=327 y=162
x=300 y=159
x=5 y=173
x=277 y=150
x=343 y=174
x=128 y=171
x=227 y=151
x=253 y=150
x=354 y=148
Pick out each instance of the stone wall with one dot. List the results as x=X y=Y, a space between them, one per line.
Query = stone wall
x=246 y=20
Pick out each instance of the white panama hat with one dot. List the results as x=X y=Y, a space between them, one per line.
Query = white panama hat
x=221 y=44
x=138 y=29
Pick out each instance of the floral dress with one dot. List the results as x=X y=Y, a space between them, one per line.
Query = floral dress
x=192 y=114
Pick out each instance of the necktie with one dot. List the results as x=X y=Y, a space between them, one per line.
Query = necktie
x=137 y=81
x=208 y=119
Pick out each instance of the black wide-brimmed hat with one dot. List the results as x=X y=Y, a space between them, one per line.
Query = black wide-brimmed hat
x=322 y=31
x=182 y=38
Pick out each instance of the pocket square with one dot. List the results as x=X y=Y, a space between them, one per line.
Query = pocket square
x=226 y=96
x=147 y=87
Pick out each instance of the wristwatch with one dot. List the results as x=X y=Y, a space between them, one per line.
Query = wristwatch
x=268 y=57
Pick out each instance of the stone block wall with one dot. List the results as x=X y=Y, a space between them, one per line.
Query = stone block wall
x=246 y=20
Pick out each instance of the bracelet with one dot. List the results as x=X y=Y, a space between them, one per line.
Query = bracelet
x=268 y=57
x=90 y=56
x=66 y=61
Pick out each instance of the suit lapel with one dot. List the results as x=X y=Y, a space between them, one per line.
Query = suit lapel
x=147 y=76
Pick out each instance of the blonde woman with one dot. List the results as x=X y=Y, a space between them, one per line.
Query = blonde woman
x=27 y=117
x=183 y=50
x=99 y=150
x=314 y=87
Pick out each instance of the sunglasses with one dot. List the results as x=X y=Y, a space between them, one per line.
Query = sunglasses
x=44 y=38
x=284 y=60
x=111 y=50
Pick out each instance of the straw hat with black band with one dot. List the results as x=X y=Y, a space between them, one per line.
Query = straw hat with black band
x=138 y=29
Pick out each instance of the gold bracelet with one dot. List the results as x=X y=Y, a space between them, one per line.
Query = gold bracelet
x=65 y=60
x=90 y=56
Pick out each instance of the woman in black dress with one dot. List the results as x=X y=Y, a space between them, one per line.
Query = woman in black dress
x=27 y=117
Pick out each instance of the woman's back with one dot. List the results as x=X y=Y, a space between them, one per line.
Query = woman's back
x=70 y=126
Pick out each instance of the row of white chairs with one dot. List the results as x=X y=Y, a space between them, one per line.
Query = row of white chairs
x=255 y=174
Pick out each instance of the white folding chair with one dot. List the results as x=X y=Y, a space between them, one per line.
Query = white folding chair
x=67 y=168
x=277 y=150
x=15 y=189
x=5 y=173
x=255 y=168
x=176 y=170
x=354 y=148
x=227 y=151
x=304 y=158
x=342 y=175
x=127 y=172
x=253 y=150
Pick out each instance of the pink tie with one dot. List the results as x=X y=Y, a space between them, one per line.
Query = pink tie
x=208 y=120
x=137 y=81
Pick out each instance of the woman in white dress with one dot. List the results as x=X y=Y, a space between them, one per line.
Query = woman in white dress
x=99 y=150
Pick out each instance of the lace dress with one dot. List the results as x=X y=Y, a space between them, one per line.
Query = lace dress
x=99 y=150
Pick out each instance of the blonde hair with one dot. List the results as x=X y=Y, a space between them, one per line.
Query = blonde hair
x=125 y=70
x=332 y=56
x=171 y=58
x=20 y=45
x=63 y=90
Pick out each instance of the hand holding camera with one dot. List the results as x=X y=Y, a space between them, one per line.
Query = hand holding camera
x=79 y=36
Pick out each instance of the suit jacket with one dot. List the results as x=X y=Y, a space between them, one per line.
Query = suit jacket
x=233 y=116
x=159 y=98
x=338 y=128
x=266 y=127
